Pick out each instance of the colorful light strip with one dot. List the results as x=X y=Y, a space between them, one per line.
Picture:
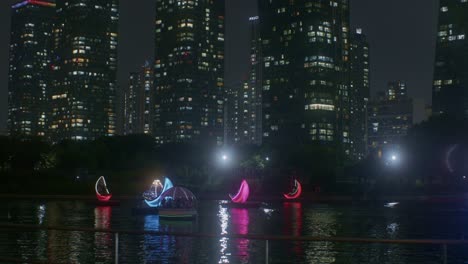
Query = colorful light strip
x=33 y=2
x=157 y=201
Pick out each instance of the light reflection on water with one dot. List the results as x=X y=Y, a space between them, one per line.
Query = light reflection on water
x=240 y=223
x=223 y=221
x=292 y=219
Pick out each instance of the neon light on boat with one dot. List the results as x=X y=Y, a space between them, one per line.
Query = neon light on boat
x=243 y=193
x=157 y=201
x=296 y=191
x=102 y=197
x=33 y=2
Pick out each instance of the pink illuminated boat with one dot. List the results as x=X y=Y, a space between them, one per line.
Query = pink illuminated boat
x=240 y=199
x=243 y=193
x=102 y=193
x=296 y=191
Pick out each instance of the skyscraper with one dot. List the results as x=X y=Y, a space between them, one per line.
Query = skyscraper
x=305 y=46
x=84 y=69
x=396 y=90
x=189 y=71
x=450 y=87
x=390 y=117
x=245 y=100
x=359 y=93
x=29 y=75
x=139 y=98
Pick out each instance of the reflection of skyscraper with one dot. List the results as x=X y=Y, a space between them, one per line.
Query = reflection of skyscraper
x=450 y=87
x=85 y=66
x=139 y=98
x=189 y=71
x=29 y=76
x=305 y=47
x=245 y=100
x=359 y=93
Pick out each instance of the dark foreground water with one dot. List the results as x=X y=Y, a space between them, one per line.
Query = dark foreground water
x=357 y=220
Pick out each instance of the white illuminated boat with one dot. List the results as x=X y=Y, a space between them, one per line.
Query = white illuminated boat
x=178 y=203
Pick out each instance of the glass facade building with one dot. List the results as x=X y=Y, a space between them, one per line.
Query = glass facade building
x=29 y=69
x=305 y=46
x=138 y=102
x=189 y=71
x=390 y=117
x=359 y=93
x=245 y=99
x=83 y=92
x=450 y=87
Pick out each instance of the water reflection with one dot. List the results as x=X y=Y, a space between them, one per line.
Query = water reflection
x=103 y=242
x=322 y=222
x=42 y=235
x=167 y=249
x=293 y=218
x=240 y=225
x=223 y=242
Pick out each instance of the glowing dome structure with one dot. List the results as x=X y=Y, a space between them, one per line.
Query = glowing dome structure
x=243 y=193
x=152 y=196
x=295 y=193
x=178 y=193
x=102 y=193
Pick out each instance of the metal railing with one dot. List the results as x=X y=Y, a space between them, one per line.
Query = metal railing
x=444 y=243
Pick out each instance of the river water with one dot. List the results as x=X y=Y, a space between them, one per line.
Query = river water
x=350 y=220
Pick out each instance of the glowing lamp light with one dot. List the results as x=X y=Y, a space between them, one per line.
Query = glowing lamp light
x=243 y=193
x=296 y=192
x=103 y=197
x=394 y=157
x=224 y=157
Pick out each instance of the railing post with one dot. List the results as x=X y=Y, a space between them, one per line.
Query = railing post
x=116 y=248
x=266 y=252
x=444 y=253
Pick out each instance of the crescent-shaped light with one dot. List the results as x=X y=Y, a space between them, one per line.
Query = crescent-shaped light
x=102 y=197
x=296 y=191
x=243 y=193
x=157 y=201
x=448 y=156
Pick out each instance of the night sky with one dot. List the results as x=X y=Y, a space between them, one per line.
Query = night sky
x=401 y=35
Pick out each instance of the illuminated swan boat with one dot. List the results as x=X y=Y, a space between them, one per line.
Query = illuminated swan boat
x=295 y=193
x=153 y=196
x=242 y=195
x=102 y=193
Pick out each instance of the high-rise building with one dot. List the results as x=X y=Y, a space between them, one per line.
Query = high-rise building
x=189 y=71
x=305 y=47
x=245 y=100
x=396 y=90
x=359 y=93
x=450 y=87
x=29 y=75
x=83 y=95
x=389 y=118
x=138 y=105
